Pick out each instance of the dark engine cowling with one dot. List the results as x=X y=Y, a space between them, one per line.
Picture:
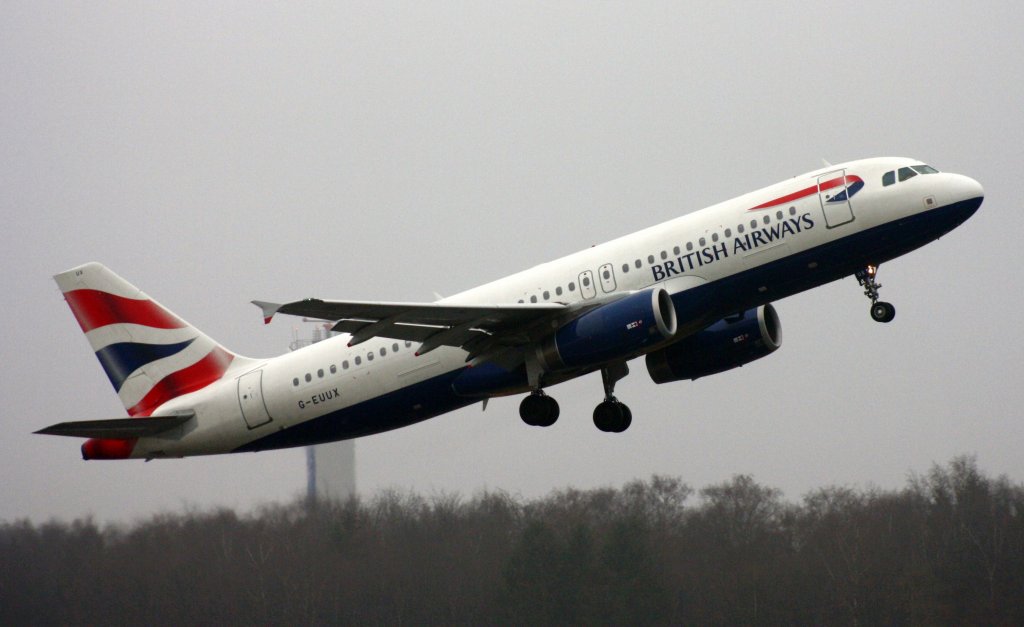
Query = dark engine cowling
x=726 y=344
x=618 y=329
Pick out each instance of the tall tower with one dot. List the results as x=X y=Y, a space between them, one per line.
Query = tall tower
x=330 y=468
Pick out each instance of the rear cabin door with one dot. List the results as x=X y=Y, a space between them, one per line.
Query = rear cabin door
x=250 y=398
x=834 y=197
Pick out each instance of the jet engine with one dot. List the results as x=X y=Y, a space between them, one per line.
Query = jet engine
x=731 y=342
x=619 y=329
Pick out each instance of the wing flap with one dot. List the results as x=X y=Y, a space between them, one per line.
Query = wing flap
x=119 y=428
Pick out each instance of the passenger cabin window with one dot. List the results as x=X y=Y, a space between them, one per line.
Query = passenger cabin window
x=906 y=173
x=889 y=178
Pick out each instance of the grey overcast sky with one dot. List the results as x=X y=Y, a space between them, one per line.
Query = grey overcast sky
x=213 y=153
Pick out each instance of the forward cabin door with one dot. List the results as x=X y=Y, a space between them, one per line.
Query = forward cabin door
x=835 y=200
x=250 y=398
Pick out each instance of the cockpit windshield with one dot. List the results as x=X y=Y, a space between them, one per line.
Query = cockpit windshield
x=905 y=173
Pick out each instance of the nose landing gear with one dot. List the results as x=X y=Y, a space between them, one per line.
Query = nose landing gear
x=881 y=311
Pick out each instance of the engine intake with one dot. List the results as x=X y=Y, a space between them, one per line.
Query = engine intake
x=619 y=329
x=731 y=342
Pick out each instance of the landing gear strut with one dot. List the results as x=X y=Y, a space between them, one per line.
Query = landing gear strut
x=611 y=416
x=880 y=311
x=538 y=409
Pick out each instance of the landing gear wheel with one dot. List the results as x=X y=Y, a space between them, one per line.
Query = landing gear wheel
x=883 y=312
x=880 y=310
x=539 y=410
x=626 y=420
x=612 y=417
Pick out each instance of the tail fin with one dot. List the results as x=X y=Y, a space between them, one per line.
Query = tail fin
x=149 y=354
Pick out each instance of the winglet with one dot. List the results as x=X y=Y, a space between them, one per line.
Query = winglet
x=269 y=309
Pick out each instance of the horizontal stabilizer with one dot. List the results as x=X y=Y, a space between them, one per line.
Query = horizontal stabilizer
x=269 y=309
x=119 y=428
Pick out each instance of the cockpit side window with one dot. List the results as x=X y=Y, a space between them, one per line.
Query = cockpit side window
x=906 y=173
x=888 y=178
x=925 y=169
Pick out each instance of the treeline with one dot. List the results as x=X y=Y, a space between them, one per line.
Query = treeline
x=946 y=549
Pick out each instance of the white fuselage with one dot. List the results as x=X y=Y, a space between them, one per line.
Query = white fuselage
x=737 y=240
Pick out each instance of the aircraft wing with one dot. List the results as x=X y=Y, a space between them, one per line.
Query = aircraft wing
x=478 y=329
x=118 y=428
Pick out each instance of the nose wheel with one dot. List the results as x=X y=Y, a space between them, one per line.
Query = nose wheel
x=881 y=311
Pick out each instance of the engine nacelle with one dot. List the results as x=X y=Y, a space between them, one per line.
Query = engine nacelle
x=726 y=344
x=619 y=329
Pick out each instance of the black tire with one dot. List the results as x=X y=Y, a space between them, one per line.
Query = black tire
x=607 y=416
x=550 y=413
x=883 y=312
x=625 y=419
x=530 y=409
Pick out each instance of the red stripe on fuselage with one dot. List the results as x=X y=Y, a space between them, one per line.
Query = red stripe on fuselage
x=807 y=191
x=94 y=309
x=195 y=377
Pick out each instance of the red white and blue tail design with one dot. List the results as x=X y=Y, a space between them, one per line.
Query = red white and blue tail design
x=149 y=354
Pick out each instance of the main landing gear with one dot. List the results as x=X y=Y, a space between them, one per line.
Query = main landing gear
x=610 y=415
x=880 y=311
x=540 y=410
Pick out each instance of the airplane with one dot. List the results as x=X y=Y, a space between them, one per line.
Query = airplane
x=692 y=296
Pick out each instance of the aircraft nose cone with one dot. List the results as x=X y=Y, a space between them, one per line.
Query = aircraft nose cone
x=966 y=188
x=965 y=195
x=972 y=189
